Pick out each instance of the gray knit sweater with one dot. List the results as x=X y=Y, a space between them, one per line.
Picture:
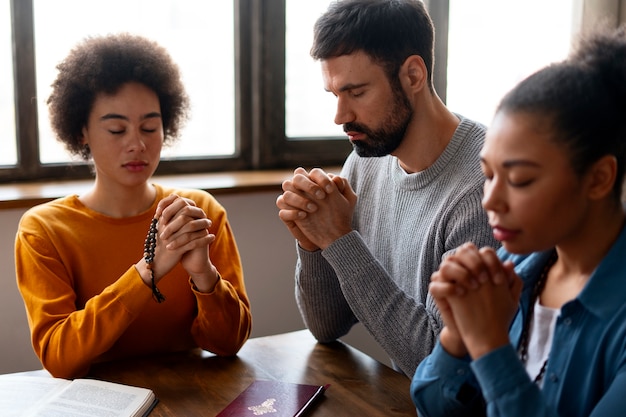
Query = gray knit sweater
x=404 y=224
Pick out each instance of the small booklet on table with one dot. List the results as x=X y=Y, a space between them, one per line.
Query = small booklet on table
x=275 y=399
x=27 y=395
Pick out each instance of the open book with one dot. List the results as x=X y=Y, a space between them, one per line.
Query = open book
x=275 y=399
x=27 y=395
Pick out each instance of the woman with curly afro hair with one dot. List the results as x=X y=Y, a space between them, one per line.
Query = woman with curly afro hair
x=88 y=265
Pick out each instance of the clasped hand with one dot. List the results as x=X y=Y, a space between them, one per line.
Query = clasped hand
x=183 y=236
x=316 y=207
x=477 y=296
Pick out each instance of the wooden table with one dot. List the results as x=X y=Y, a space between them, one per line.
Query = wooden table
x=201 y=384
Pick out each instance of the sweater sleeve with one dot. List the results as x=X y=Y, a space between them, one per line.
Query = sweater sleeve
x=323 y=307
x=224 y=319
x=405 y=326
x=65 y=339
x=320 y=299
x=406 y=329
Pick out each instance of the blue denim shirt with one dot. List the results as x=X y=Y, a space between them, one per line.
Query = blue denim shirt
x=586 y=373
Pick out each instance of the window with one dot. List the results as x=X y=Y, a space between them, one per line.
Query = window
x=183 y=28
x=493 y=45
x=293 y=124
x=485 y=47
x=232 y=58
x=310 y=109
x=257 y=95
x=8 y=156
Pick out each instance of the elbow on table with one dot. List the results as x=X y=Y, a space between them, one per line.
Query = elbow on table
x=65 y=370
x=229 y=346
x=62 y=363
x=325 y=336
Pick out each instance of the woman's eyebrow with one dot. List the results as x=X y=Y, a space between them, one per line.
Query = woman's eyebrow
x=517 y=162
x=150 y=115
x=514 y=162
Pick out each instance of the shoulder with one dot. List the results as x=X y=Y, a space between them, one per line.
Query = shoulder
x=469 y=137
x=48 y=219
x=52 y=209
x=471 y=128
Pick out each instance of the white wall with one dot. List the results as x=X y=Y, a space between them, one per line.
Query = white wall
x=268 y=256
x=589 y=13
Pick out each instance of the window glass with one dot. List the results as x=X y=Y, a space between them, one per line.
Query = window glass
x=309 y=109
x=197 y=33
x=8 y=156
x=494 y=44
x=490 y=50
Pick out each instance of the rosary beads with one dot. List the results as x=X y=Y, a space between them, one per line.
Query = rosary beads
x=148 y=255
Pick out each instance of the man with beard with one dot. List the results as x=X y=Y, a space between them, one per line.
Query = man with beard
x=415 y=168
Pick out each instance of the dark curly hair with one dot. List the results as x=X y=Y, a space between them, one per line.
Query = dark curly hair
x=103 y=64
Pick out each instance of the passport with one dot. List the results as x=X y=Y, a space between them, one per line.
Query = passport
x=274 y=399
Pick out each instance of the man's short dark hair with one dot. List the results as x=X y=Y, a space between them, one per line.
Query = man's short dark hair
x=389 y=31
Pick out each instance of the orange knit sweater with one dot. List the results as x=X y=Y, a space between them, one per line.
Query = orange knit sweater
x=86 y=302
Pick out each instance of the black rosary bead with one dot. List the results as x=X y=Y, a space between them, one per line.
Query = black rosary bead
x=148 y=255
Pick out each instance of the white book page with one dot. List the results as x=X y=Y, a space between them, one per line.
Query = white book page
x=93 y=398
x=20 y=393
x=34 y=396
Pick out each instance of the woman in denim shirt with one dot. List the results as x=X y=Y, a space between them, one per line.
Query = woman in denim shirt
x=539 y=328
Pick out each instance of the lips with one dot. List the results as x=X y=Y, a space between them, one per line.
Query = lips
x=503 y=234
x=135 y=165
x=354 y=135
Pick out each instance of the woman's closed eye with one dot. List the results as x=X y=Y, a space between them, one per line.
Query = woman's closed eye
x=519 y=181
x=122 y=131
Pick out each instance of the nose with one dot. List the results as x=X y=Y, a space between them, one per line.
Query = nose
x=494 y=196
x=344 y=112
x=136 y=142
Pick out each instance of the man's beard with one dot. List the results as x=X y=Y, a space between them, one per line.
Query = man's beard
x=386 y=139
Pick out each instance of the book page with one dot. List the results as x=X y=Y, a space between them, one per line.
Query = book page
x=93 y=398
x=44 y=396
x=20 y=393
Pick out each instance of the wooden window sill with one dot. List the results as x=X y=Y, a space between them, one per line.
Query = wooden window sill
x=29 y=194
